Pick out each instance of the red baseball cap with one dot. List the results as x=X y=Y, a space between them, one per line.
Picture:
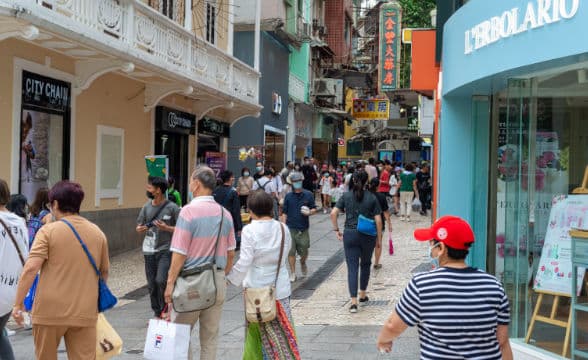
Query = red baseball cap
x=452 y=231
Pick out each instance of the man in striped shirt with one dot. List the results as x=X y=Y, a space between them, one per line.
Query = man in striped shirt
x=193 y=244
x=461 y=312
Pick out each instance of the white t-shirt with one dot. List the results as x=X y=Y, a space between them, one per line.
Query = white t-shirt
x=10 y=263
x=266 y=184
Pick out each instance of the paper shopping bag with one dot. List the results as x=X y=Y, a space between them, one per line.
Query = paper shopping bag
x=166 y=341
x=390 y=244
x=108 y=342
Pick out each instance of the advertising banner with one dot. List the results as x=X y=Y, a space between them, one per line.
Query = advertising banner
x=157 y=165
x=390 y=38
x=376 y=109
x=217 y=161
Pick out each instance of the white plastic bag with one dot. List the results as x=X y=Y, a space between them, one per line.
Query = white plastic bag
x=166 y=341
x=416 y=204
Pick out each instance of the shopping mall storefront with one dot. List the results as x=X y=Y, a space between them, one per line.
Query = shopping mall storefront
x=513 y=147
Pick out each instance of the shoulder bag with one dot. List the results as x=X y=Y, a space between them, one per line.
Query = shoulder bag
x=106 y=300
x=365 y=225
x=195 y=289
x=260 y=303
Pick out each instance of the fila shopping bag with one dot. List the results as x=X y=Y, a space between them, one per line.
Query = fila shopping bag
x=166 y=341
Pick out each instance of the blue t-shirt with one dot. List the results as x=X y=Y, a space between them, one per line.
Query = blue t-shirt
x=292 y=204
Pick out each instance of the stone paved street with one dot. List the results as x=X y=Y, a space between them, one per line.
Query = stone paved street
x=320 y=302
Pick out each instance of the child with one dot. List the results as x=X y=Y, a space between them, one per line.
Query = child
x=326 y=184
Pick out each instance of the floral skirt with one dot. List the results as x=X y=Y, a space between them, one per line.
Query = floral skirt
x=273 y=340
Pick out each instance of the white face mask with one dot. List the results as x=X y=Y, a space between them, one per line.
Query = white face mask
x=433 y=260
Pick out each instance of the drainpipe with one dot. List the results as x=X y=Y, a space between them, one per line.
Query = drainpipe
x=257 y=34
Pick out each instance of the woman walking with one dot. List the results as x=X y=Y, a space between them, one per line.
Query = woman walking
x=408 y=189
x=244 y=186
x=13 y=253
x=66 y=299
x=363 y=227
x=374 y=187
x=258 y=267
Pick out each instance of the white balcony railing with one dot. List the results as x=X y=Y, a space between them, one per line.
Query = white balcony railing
x=148 y=35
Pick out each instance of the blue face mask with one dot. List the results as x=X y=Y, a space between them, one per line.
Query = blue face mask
x=246 y=173
x=433 y=260
x=297 y=185
x=258 y=168
x=327 y=175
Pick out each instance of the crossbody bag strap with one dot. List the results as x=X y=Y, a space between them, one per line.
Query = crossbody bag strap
x=158 y=211
x=83 y=247
x=220 y=227
x=281 y=254
x=22 y=260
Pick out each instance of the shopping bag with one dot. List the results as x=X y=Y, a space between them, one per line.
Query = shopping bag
x=108 y=342
x=390 y=244
x=416 y=204
x=166 y=341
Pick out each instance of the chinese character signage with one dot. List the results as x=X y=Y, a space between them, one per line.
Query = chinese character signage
x=371 y=109
x=390 y=36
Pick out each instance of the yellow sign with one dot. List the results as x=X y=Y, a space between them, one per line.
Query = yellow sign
x=371 y=109
x=407 y=36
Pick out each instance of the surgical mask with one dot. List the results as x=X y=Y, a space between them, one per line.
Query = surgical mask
x=258 y=168
x=150 y=195
x=246 y=173
x=297 y=185
x=190 y=196
x=433 y=260
x=327 y=175
x=297 y=168
x=380 y=168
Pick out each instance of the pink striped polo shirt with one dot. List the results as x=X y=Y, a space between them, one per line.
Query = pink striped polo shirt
x=196 y=231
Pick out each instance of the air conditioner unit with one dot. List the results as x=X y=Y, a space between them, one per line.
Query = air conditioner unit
x=330 y=89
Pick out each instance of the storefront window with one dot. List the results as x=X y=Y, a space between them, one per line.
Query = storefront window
x=542 y=151
x=44 y=133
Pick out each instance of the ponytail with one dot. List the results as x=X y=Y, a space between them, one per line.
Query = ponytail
x=359 y=179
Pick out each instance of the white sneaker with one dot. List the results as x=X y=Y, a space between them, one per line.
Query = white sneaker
x=324 y=211
x=292 y=277
x=401 y=217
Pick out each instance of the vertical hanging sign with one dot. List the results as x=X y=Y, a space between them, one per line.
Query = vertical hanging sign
x=390 y=36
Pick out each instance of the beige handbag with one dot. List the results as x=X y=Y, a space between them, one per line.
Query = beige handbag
x=260 y=303
x=195 y=289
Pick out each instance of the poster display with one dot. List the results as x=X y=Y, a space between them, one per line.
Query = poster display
x=217 y=161
x=157 y=165
x=44 y=124
x=555 y=266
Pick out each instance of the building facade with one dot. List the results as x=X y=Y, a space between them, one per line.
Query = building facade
x=92 y=87
x=513 y=140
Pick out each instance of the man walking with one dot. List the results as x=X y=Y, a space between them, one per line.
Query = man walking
x=424 y=186
x=193 y=245
x=266 y=184
x=371 y=170
x=156 y=222
x=461 y=312
x=298 y=206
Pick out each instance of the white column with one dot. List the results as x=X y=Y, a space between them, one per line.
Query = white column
x=129 y=30
x=257 y=34
x=230 y=27
x=188 y=15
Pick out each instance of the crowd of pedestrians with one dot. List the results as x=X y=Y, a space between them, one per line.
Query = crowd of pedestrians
x=204 y=235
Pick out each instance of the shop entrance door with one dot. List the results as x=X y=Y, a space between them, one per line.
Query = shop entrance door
x=175 y=146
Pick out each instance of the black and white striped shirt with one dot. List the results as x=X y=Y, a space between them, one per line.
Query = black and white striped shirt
x=457 y=312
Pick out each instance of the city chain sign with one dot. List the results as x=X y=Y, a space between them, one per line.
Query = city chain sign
x=537 y=14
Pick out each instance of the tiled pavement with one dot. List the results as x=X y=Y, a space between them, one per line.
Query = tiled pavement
x=320 y=302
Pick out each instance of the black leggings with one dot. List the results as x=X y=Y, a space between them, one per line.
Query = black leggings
x=358 y=255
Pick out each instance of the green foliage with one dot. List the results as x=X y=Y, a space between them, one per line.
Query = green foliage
x=416 y=13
